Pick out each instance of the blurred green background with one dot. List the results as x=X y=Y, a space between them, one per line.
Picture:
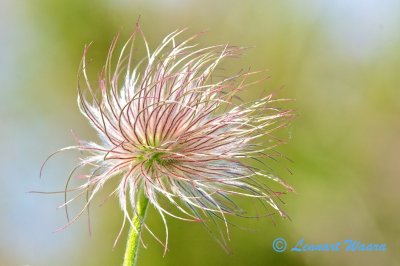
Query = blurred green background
x=340 y=60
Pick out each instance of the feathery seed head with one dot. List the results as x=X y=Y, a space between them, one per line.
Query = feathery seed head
x=169 y=125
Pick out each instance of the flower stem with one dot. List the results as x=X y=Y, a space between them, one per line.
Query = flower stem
x=132 y=244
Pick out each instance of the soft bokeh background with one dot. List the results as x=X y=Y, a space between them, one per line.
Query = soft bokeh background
x=340 y=60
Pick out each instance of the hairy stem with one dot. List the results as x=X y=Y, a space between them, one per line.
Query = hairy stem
x=133 y=242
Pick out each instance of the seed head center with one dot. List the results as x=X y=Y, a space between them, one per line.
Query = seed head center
x=151 y=156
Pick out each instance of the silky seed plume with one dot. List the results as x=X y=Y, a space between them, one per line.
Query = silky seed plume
x=171 y=126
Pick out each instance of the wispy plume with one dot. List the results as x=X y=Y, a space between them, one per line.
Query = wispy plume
x=172 y=128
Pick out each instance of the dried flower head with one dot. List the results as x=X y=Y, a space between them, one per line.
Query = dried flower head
x=172 y=127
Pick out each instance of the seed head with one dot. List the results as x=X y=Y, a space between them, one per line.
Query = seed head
x=169 y=125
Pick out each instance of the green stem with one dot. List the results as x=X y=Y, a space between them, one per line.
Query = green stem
x=133 y=242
